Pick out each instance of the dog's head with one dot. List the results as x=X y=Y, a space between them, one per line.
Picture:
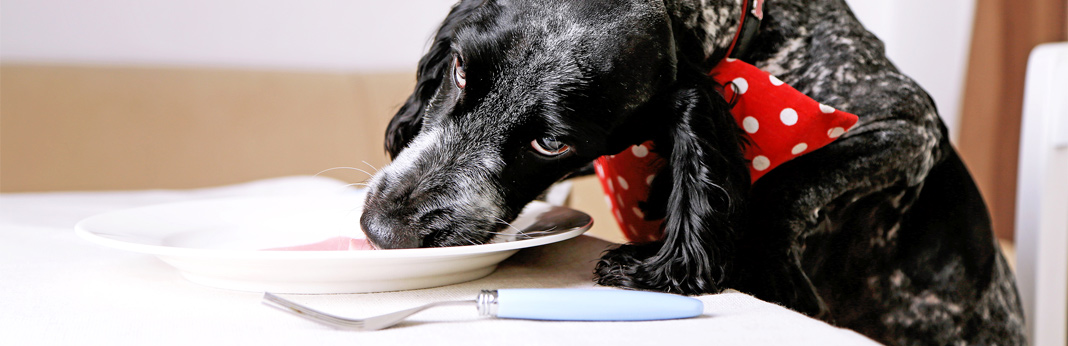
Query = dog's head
x=512 y=97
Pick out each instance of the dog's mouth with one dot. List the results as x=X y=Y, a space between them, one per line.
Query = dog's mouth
x=394 y=239
x=461 y=238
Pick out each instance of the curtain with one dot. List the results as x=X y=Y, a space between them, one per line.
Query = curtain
x=1004 y=33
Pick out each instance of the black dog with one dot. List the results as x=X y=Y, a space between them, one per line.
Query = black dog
x=882 y=231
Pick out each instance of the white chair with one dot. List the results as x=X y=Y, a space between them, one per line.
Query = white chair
x=1042 y=196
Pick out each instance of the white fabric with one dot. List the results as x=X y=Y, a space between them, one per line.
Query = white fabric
x=56 y=289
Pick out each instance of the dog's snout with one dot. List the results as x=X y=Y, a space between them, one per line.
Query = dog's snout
x=396 y=214
x=434 y=194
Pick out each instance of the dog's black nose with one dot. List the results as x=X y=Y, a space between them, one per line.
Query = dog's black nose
x=388 y=231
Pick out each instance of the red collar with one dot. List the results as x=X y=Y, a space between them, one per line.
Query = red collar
x=748 y=25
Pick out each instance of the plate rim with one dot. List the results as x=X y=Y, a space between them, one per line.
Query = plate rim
x=83 y=232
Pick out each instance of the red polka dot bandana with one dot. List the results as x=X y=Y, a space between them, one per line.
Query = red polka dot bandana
x=625 y=178
x=781 y=122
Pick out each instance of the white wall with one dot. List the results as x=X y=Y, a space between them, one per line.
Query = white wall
x=929 y=44
x=928 y=40
x=305 y=34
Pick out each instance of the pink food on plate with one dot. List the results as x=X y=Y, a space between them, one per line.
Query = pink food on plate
x=339 y=243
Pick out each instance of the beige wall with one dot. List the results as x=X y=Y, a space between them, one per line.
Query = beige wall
x=93 y=128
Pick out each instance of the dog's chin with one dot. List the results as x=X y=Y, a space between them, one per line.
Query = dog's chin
x=458 y=238
x=435 y=239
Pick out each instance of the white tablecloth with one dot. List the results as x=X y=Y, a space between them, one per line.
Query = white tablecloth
x=57 y=289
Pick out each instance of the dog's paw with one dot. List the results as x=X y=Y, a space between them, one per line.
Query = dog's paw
x=637 y=266
x=619 y=267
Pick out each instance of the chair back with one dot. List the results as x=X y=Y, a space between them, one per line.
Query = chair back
x=1042 y=196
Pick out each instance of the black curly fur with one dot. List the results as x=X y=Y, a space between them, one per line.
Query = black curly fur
x=706 y=176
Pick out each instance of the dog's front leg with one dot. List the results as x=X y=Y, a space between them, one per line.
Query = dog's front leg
x=708 y=181
x=787 y=205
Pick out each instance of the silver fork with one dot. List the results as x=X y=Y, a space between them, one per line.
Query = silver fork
x=557 y=304
x=483 y=302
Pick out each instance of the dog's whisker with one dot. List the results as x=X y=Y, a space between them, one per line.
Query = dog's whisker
x=503 y=233
x=372 y=166
x=519 y=234
x=337 y=168
x=466 y=238
x=509 y=224
x=496 y=233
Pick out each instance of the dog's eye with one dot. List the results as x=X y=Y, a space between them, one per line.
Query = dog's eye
x=549 y=146
x=458 y=72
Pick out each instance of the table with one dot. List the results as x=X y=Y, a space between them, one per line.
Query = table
x=57 y=289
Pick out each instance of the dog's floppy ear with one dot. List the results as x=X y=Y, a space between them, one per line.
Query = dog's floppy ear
x=432 y=68
x=708 y=183
x=705 y=212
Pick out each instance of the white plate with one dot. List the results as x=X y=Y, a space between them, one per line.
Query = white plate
x=221 y=242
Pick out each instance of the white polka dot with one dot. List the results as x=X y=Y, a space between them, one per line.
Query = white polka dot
x=608 y=201
x=619 y=198
x=750 y=124
x=731 y=59
x=761 y=162
x=619 y=217
x=826 y=109
x=623 y=183
x=600 y=171
x=638 y=212
x=774 y=81
x=632 y=230
x=649 y=179
x=788 y=116
x=835 y=132
x=740 y=85
x=639 y=150
x=799 y=148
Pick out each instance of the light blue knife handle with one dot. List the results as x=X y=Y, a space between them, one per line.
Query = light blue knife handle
x=590 y=305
